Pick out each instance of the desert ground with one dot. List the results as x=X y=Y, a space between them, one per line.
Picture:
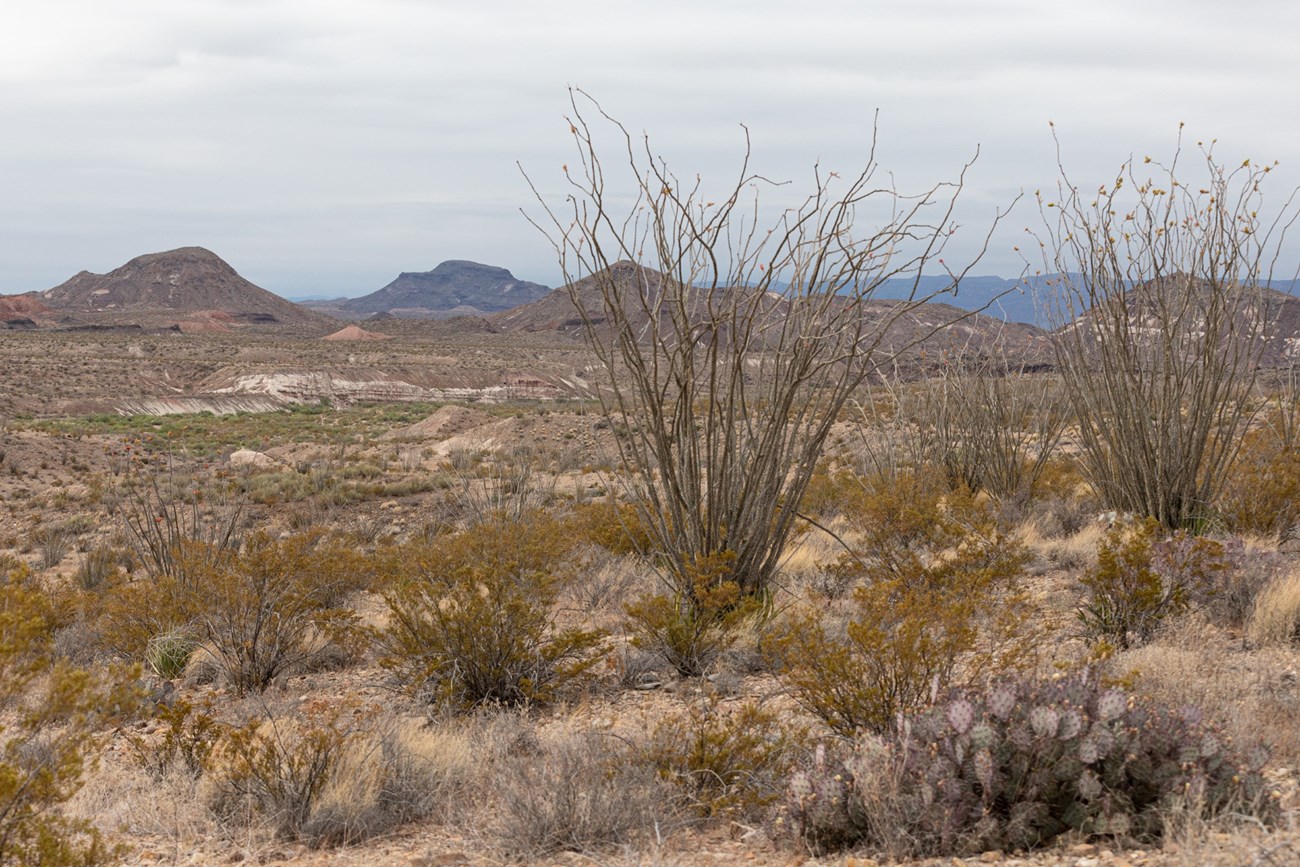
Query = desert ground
x=363 y=467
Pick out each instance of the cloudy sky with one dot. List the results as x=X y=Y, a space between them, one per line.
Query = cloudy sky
x=322 y=146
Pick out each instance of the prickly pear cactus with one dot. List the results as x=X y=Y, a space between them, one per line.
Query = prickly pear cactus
x=961 y=714
x=1017 y=765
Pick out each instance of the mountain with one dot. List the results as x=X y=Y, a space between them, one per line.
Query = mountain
x=1149 y=308
x=555 y=310
x=190 y=284
x=947 y=330
x=454 y=288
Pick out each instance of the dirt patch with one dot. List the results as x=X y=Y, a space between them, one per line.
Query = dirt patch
x=447 y=422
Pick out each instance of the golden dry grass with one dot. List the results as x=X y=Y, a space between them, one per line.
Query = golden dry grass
x=1276 y=619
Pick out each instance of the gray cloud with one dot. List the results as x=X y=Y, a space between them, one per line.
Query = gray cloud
x=324 y=146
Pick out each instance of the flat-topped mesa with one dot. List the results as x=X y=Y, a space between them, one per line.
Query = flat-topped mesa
x=454 y=287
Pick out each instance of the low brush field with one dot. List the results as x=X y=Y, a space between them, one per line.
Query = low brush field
x=438 y=632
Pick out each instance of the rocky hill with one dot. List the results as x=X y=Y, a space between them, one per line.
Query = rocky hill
x=945 y=328
x=1153 y=304
x=454 y=288
x=25 y=311
x=190 y=287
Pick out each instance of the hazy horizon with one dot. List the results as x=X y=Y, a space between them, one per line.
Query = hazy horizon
x=323 y=148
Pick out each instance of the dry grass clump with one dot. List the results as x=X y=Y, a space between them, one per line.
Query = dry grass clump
x=1276 y=618
x=337 y=775
x=579 y=793
x=1251 y=693
x=604 y=582
x=403 y=771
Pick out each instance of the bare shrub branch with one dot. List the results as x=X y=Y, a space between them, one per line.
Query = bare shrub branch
x=1164 y=316
x=731 y=345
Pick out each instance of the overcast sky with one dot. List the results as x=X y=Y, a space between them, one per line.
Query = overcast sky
x=322 y=146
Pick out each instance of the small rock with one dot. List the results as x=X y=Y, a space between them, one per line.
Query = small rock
x=992 y=856
x=1088 y=862
x=1082 y=849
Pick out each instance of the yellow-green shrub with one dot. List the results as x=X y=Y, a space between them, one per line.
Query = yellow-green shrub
x=474 y=619
x=1262 y=492
x=726 y=762
x=52 y=736
x=690 y=627
x=937 y=592
x=1142 y=579
x=616 y=527
x=259 y=611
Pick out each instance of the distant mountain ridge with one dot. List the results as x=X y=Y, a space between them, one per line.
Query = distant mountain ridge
x=968 y=332
x=455 y=287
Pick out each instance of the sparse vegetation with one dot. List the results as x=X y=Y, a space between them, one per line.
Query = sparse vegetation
x=55 y=716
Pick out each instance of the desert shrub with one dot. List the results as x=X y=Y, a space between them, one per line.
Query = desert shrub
x=276 y=770
x=1235 y=575
x=99 y=567
x=53 y=542
x=258 y=612
x=831 y=491
x=992 y=427
x=506 y=488
x=580 y=794
x=263 y=609
x=725 y=762
x=691 y=627
x=336 y=776
x=189 y=734
x=129 y=613
x=1142 y=578
x=604 y=581
x=616 y=527
x=1262 y=492
x=938 y=582
x=47 y=743
x=1015 y=766
x=1062 y=504
x=474 y=619
x=164 y=506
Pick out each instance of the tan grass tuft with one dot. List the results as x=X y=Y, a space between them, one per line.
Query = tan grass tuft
x=1276 y=619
